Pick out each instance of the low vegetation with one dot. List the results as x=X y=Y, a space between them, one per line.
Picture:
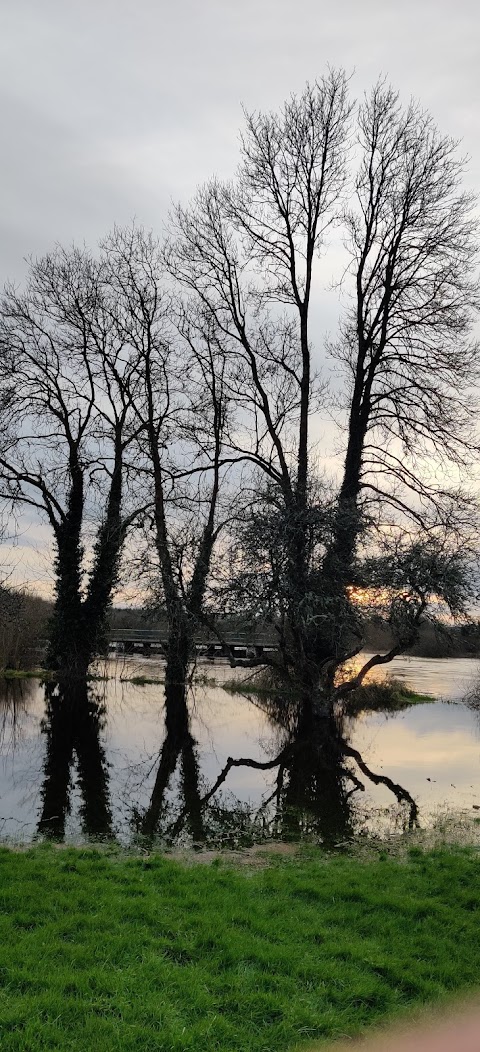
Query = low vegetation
x=142 y=681
x=391 y=695
x=111 y=952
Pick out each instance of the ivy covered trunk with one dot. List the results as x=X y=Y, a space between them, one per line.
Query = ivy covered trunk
x=78 y=627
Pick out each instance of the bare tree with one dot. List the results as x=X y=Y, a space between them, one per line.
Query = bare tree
x=181 y=412
x=407 y=343
x=247 y=254
x=69 y=379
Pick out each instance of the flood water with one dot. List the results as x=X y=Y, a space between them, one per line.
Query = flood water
x=102 y=767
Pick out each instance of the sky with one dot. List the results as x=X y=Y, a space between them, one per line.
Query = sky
x=113 y=110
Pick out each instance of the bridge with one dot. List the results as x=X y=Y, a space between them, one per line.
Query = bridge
x=233 y=644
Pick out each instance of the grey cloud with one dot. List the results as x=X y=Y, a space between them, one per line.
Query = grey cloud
x=112 y=108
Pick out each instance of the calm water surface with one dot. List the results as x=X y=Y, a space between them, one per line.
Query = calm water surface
x=113 y=774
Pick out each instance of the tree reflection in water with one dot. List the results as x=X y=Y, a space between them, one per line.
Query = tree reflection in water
x=316 y=773
x=73 y=722
x=15 y=696
x=315 y=779
x=314 y=784
x=180 y=748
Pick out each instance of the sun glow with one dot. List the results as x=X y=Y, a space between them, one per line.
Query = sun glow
x=369 y=596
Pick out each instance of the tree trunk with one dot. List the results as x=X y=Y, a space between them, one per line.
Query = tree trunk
x=103 y=577
x=179 y=653
x=66 y=651
x=79 y=625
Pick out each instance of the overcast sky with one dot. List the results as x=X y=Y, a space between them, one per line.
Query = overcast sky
x=112 y=109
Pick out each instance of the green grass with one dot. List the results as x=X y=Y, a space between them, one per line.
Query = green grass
x=45 y=675
x=141 y=681
x=30 y=673
x=106 y=952
x=144 y=681
x=389 y=695
x=249 y=686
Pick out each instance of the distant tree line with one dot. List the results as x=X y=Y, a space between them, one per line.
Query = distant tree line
x=161 y=402
x=24 y=624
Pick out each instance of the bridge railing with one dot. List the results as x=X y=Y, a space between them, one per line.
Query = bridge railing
x=156 y=635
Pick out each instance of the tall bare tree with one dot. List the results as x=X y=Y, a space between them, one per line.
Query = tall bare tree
x=69 y=379
x=407 y=342
x=247 y=253
x=180 y=411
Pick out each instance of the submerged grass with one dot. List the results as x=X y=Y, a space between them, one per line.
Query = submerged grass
x=29 y=673
x=142 y=681
x=389 y=695
x=45 y=675
x=245 y=686
x=102 y=951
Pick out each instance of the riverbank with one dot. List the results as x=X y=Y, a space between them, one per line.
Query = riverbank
x=103 y=950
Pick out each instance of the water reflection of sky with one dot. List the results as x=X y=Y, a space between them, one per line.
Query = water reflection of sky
x=446 y=678
x=433 y=750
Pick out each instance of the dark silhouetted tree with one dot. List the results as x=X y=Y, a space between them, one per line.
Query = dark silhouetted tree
x=247 y=254
x=180 y=412
x=70 y=378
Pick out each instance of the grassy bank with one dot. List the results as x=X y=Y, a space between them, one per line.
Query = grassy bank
x=111 y=953
x=389 y=695
x=45 y=675
x=25 y=673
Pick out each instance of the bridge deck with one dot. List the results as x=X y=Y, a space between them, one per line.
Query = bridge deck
x=159 y=636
